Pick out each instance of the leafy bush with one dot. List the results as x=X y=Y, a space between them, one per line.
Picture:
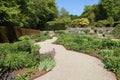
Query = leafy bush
x=23 y=76
x=15 y=61
x=80 y=22
x=116 y=31
x=110 y=44
x=23 y=38
x=18 y=55
x=112 y=63
x=24 y=46
x=106 y=52
x=102 y=23
x=108 y=49
x=39 y=37
x=23 y=54
x=58 y=24
x=47 y=63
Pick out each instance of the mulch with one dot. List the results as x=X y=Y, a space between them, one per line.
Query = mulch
x=37 y=73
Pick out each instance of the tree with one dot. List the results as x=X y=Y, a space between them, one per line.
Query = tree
x=111 y=7
x=89 y=13
x=27 y=13
x=73 y=16
x=64 y=12
x=45 y=11
x=9 y=13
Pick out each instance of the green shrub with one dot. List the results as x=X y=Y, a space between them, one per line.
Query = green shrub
x=18 y=55
x=106 y=52
x=15 y=61
x=18 y=60
x=108 y=49
x=102 y=23
x=112 y=63
x=23 y=76
x=116 y=31
x=24 y=38
x=47 y=63
x=117 y=52
x=80 y=22
x=24 y=46
x=110 y=44
x=58 y=24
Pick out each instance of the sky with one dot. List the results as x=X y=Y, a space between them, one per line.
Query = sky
x=75 y=7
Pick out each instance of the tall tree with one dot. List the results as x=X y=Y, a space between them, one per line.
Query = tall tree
x=27 y=13
x=9 y=13
x=89 y=13
x=64 y=12
x=45 y=11
x=111 y=7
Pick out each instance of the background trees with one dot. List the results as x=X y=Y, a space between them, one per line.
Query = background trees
x=27 y=13
x=105 y=10
x=80 y=22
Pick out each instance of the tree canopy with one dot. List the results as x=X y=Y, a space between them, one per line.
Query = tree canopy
x=27 y=13
x=105 y=10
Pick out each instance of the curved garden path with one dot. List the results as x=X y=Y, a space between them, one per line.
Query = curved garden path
x=72 y=65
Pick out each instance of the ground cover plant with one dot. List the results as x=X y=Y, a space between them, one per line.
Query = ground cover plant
x=106 y=48
x=38 y=37
x=23 y=54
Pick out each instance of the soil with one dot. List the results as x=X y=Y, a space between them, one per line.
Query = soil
x=37 y=73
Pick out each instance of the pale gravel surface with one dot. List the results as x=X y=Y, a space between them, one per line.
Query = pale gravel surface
x=72 y=65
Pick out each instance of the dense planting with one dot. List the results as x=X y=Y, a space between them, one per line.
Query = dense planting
x=39 y=37
x=106 y=48
x=24 y=54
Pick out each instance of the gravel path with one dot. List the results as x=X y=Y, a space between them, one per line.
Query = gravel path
x=72 y=65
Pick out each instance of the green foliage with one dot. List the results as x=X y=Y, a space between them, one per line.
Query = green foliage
x=27 y=13
x=106 y=48
x=104 y=10
x=38 y=37
x=47 y=63
x=80 y=22
x=116 y=31
x=58 y=24
x=74 y=17
x=18 y=55
x=89 y=13
x=23 y=76
x=15 y=61
x=106 y=52
x=45 y=11
x=24 y=46
x=111 y=7
x=112 y=63
x=110 y=44
x=64 y=12
x=101 y=23
x=24 y=38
